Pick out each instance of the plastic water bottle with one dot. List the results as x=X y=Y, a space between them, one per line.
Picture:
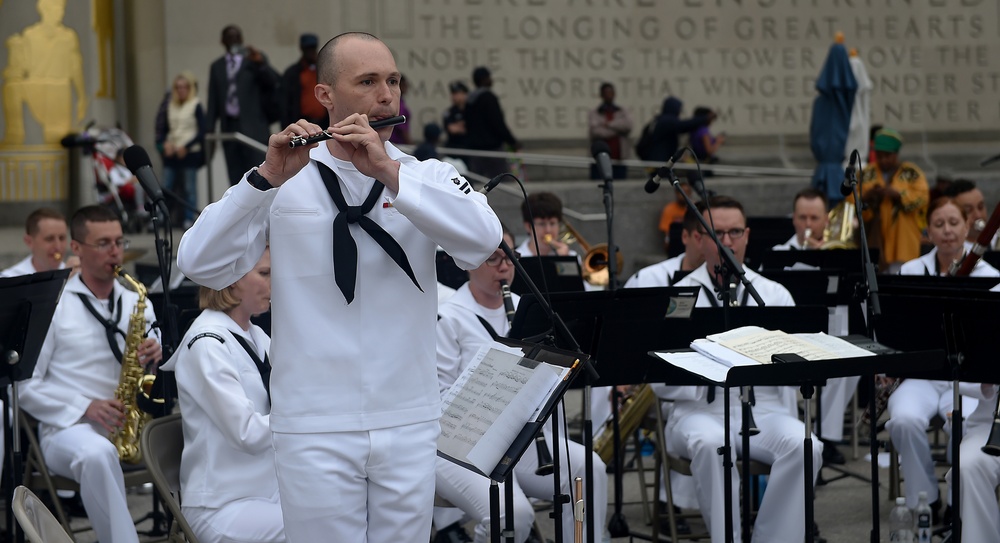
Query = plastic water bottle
x=901 y=522
x=923 y=514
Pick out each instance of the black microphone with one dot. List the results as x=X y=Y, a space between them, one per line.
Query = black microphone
x=664 y=171
x=492 y=184
x=847 y=187
x=137 y=161
x=602 y=155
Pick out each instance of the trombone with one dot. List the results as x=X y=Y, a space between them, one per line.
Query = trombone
x=595 y=258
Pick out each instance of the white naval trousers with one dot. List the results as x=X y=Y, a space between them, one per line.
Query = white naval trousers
x=833 y=403
x=781 y=518
x=251 y=520
x=911 y=408
x=83 y=453
x=373 y=486
x=980 y=477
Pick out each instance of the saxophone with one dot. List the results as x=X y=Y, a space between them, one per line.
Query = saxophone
x=132 y=381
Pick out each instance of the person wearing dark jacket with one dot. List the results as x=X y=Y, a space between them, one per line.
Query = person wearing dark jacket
x=485 y=127
x=298 y=100
x=669 y=127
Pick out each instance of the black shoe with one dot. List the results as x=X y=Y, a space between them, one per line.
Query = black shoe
x=816 y=536
x=452 y=533
x=73 y=506
x=831 y=455
x=682 y=525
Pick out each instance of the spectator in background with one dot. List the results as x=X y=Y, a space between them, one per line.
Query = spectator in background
x=242 y=97
x=674 y=212
x=485 y=126
x=428 y=149
x=453 y=120
x=896 y=195
x=180 y=138
x=298 y=85
x=702 y=142
x=610 y=124
x=401 y=132
x=669 y=127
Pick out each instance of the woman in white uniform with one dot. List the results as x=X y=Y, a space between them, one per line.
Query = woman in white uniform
x=916 y=401
x=229 y=488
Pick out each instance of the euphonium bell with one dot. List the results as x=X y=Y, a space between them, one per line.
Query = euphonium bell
x=839 y=231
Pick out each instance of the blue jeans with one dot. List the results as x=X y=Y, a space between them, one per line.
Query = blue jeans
x=188 y=191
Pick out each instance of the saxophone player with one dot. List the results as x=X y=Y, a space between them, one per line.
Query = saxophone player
x=466 y=322
x=71 y=391
x=695 y=427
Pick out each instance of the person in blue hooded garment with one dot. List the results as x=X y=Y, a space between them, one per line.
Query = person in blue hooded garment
x=669 y=127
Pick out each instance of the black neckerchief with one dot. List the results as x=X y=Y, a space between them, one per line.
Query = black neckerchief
x=345 y=249
x=110 y=324
x=264 y=367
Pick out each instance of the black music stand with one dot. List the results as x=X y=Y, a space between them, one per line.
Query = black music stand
x=808 y=374
x=954 y=320
x=587 y=316
x=554 y=273
x=504 y=469
x=27 y=304
x=835 y=259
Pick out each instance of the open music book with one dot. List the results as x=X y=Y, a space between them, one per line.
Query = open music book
x=712 y=357
x=492 y=401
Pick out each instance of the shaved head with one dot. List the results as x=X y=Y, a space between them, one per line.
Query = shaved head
x=328 y=64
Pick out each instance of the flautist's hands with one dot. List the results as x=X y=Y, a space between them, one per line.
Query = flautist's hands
x=364 y=147
x=281 y=162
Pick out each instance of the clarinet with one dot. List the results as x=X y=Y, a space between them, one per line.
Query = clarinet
x=992 y=446
x=545 y=466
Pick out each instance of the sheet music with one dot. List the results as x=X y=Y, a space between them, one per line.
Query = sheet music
x=759 y=344
x=490 y=403
x=697 y=364
x=722 y=354
x=835 y=345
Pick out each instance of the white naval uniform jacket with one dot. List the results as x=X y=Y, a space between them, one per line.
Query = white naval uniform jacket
x=340 y=367
x=927 y=265
x=460 y=334
x=791 y=244
x=769 y=399
x=227 y=442
x=76 y=365
x=657 y=275
x=24 y=267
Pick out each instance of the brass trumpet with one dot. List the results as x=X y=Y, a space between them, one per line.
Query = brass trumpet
x=595 y=258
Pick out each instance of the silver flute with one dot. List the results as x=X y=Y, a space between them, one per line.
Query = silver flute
x=299 y=141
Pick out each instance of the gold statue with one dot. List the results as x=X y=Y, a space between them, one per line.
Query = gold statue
x=43 y=69
x=103 y=16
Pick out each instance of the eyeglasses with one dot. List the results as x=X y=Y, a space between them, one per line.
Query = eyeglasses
x=495 y=260
x=105 y=244
x=733 y=233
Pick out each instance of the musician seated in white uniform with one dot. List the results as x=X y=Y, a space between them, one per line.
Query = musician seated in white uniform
x=912 y=405
x=466 y=322
x=980 y=471
x=72 y=390
x=229 y=488
x=45 y=234
x=810 y=218
x=665 y=273
x=695 y=428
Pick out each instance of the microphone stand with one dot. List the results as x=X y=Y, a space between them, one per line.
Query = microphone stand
x=559 y=331
x=617 y=524
x=164 y=257
x=868 y=292
x=729 y=267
